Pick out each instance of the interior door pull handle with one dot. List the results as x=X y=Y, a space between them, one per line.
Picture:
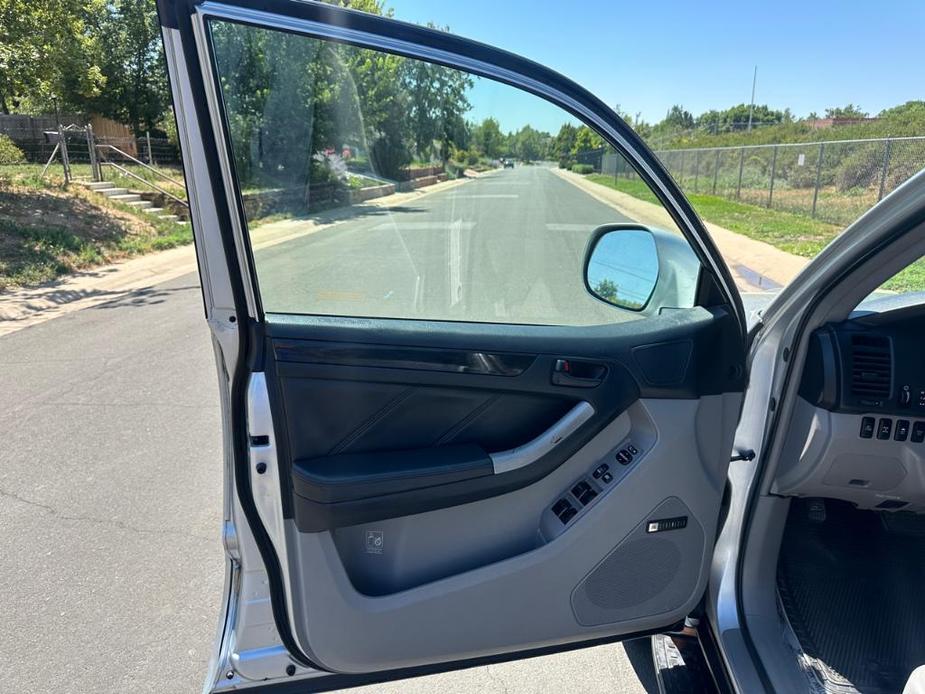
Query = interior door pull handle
x=530 y=452
x=577 y=374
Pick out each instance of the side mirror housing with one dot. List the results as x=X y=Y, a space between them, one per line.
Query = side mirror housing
x=640 y=269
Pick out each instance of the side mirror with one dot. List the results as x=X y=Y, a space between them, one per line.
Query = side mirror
x=621 y=266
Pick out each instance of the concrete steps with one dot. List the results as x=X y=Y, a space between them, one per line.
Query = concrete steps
x=132 y=198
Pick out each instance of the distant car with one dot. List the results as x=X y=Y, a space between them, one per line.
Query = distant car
x=508 y=163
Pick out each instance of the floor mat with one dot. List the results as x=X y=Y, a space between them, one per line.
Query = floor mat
x=855 y=596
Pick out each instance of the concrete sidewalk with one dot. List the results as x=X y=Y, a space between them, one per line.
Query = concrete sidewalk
x=27 y=306
x=755 y=265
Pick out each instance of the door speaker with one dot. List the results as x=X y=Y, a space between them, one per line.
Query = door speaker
x=653 y=570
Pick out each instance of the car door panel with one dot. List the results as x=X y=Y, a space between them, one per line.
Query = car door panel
x=473 y=579
x=404 y=479
x=346 y=428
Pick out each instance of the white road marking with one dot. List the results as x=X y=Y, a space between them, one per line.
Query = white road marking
x=569 y=227
x=424 y=226
x=455 y=262
x=478 y=196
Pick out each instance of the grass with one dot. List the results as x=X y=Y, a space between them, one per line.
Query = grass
x=787 y=231
x=48 y=230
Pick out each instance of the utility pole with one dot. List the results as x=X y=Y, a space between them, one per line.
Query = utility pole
x=751 y=106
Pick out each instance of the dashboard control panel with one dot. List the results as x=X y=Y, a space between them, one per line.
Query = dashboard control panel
x=885 y=429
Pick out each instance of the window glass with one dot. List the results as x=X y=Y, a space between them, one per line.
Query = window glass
x=905 y=288
x=382 y=186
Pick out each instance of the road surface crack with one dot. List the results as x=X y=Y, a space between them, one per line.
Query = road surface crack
x=99 y=521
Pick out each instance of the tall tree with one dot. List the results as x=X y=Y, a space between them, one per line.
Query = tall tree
x=49 y=54
x=132 y=60
x=487 y=136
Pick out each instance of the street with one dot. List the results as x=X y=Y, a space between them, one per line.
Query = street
x=505 y=247
x=110 y=473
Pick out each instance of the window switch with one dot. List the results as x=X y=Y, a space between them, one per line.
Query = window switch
x=560 y=506
x=568 y=515
x=867 y=427
x=902 y=430
x=918 y=432
x=587 y=497
x=885 y=428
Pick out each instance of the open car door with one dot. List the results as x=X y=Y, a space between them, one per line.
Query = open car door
x=472 y=411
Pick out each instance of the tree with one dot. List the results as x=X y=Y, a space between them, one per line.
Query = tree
x=488 y=138
x=564 y=142
x=850 y=112
x=586 y=139
x=437 y=103
x=132 y=61
x=677 y=119
x=530 y=144
x=48 y=54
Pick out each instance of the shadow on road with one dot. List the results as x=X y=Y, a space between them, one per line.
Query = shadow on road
x=639 y=652
x=146 y=296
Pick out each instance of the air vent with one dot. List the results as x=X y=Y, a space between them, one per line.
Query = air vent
x=871 y=367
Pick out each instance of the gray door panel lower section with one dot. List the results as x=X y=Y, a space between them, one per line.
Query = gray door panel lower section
x=481 y=579
x=648 y=573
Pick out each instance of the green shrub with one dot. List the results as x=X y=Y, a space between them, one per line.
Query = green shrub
x=859 y=169
x=472 y=158
x=583 y=168
x=9 y=152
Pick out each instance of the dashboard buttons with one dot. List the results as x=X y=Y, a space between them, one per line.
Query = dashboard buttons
x=601 y=469
x=885 y=428
x=867 y=427
x=902 y=430
x=918 y=432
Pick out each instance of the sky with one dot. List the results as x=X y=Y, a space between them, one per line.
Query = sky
x=647 y=56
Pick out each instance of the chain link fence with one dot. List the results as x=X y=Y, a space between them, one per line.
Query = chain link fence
x=38 y=146
x=835 y=181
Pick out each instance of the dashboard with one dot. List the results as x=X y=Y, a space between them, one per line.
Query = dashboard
x=858 y=431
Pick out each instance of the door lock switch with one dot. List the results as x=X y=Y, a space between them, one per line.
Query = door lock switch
x=601 y=469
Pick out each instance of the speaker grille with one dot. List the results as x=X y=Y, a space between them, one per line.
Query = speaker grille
x=645 y=574
x=633 y=573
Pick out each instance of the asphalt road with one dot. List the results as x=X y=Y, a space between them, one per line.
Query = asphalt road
x=506 y=247
x=110 y=470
